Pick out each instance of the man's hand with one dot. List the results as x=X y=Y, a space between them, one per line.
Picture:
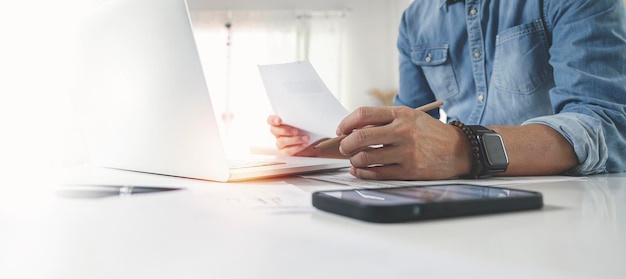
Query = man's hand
x=289 y=140
x=415 y=146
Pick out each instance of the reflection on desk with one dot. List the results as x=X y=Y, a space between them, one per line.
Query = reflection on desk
x=203 y=233
x=603 y=205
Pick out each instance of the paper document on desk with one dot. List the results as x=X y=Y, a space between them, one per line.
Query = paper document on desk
x=299 y=96
x=266 y=198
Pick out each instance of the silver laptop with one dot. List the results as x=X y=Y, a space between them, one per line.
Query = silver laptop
x=145 y=101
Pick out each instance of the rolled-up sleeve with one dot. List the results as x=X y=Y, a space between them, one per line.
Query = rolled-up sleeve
x=588 y=54
x=586 y=136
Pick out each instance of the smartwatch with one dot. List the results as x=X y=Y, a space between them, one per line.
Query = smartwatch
x=492 y=151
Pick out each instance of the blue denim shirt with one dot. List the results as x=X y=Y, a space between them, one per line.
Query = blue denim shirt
x=560 y=63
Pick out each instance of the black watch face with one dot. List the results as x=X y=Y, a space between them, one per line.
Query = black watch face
x=494 y=150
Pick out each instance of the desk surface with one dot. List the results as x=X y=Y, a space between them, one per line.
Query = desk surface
x=210 y=231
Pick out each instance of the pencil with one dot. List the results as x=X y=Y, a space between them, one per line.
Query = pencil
x=334 y=140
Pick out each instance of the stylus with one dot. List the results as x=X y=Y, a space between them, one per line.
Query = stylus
x=99 y=191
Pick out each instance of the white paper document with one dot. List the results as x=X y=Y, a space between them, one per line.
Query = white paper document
x=299 y=96
x=264 y=198
x=272 y=199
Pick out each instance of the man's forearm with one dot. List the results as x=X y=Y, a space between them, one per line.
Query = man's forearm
x=536 y=149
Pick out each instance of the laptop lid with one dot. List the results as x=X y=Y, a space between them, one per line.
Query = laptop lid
x=145 y=98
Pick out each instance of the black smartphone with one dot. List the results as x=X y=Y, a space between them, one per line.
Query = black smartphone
x=410 y=203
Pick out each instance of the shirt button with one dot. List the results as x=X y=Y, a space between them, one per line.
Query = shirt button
x=428 y=58
x=481 y=97
x=477 y=54
x=473 y=11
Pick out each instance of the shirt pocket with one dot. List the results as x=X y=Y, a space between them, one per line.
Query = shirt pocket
x=437 y=68
x=521 y=60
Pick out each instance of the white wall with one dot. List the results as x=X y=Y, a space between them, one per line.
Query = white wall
x=370 y=55
x=269 y=4
x=371 y=58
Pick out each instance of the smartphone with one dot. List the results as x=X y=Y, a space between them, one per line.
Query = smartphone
x=411 y=203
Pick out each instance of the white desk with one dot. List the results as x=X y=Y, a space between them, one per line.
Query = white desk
x=202 y=233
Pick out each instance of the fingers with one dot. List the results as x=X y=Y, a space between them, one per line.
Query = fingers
x=369 y=126
x=301 y=141
x=363 y=139
x=365 y=116
x=278 y=129
x=284 y=131
x=414 y=145
x=274 y=120
x=439 y=153
x=375 y=156
x=386 y=172
x=381 y=163
x=289 y=140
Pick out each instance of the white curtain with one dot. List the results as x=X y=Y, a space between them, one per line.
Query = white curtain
x=233 y=43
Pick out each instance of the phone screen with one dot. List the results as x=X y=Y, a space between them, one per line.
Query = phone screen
x=427 y=194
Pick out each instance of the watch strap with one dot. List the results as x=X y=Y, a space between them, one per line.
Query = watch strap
x=478 y=167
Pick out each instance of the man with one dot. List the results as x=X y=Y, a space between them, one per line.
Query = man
x=547 y=77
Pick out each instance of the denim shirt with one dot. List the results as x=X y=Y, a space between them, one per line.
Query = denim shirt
x=561 y=63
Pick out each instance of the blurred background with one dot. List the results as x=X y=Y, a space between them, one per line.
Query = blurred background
x=351 y=43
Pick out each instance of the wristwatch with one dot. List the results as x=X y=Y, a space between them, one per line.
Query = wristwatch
x=492 y=151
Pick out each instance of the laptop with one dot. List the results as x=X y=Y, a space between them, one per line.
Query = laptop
x=145 y=102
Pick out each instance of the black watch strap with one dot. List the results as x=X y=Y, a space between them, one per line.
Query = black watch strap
x=493 y=156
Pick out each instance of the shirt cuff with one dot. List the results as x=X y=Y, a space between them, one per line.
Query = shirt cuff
x=586 y=136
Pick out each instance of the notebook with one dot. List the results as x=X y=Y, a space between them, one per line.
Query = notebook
x=145 y=102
